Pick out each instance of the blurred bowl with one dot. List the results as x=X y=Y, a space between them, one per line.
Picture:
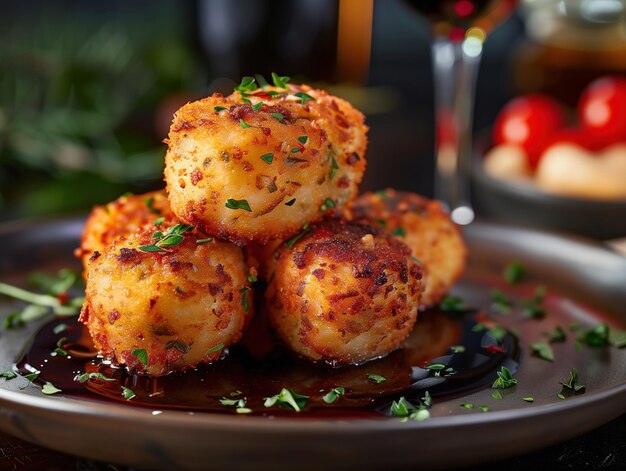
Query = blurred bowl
x=525 y=204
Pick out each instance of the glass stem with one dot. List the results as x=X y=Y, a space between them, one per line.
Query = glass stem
x=455 y=69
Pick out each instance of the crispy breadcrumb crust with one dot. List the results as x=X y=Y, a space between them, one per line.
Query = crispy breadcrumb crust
x=223 y=148
x=344 y=293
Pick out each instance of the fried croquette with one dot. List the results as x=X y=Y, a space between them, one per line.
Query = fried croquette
x=343 y=293
x=257 y=165
x=425 y=226
x=119 y=218
x=168 y=305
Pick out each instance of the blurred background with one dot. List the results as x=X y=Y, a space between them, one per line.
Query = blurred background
x=88 y=88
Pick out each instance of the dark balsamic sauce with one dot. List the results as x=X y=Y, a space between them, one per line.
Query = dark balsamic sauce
x=260 y=367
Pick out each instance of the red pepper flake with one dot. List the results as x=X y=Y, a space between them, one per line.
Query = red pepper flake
x=196 y=176
x=63 y=297
x=495 y=349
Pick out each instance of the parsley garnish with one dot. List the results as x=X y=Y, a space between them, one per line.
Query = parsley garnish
x=239 y=403
x=403 y=408
x=303 y=139
x=457 y=348
x=532 y=308
x=514 y=272
x=598 y=336
x=30 y=378
x=219 y=108
x=399 y=231
x=247 y=84
x=452 y=304
x=278 y=116
x=328 y=203
x=542 y=350
x=8 y=375
x=244 y=124
x=141 y=355
x=571 y=387
x=558 y=335
x=498 y=332
x=159 y=221
x=205 y=241
x=244 y=298
x=333 y=394
x=496 y=394
x=500 y=303
x=528 y=399
x=293 y=240
x=287 y=399
x=290 y=202
x=376 y=378
x=238 y=204
x=280 y=82
x=334 y=166
x=217 y=348
x=435 y=367
x=252 y=278
x=127 y=393
x=267 y=158
x=505 y=380
x=170 y=238
x=86 y=376
x=150 y=204
x=304 y=97
x=49 y=388
x=467 y=405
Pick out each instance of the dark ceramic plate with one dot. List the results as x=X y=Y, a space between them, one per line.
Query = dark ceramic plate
x=585 y=285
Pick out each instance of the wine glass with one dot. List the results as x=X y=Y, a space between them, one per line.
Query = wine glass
x=459 y=29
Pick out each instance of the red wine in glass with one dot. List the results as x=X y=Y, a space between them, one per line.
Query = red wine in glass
x=459 y=28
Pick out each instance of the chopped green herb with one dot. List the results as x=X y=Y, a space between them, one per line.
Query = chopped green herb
x=247 y=84
x=230 y=402
x=496 y=394
x=30 y=378
x=217 y=348
x=505 y=380
x=171 y=237
x=8 y=375
x=243 y=410
x=127 y=393
x=244 y=298
x=399 y=231
x=238 y=204
x=59 y=352
x=244 y=124
x=333 y=394
x=467 y=405
x=179 y=345
x=598 y=336
x=304 y=97
x=436 y=367
x=528 y=399
x=245 y=99
x=267 y=158
x=401 y=407
x=258 y=106
x=290 y=243
x=252 y=278
x=571 y=386
x=575 y=326
x=617 y=338
x=290 y=202
x=159 y=221
x=500 y=303
x=49 y=388
x=542 y=350
x=334 y=166
x=498 y=332
x=484 y=408
x=532 y=308
x=82 y=378
x=457 y=348
x=417 y=261
x=278 y=116
x=557 y=335
x=219 y=108
x=287 y=399
x=376 y=378
x=514 y=272
x=328 y=203
x=280 y=82
x=295 y=150
x=141 y=355
x=303 y=139
x=55 y=285
x=452 y=304
x=150 y=204
x=150 y=248
x=205 y=241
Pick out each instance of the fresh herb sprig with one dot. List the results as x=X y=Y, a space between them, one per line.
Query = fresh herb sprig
x=172 y=237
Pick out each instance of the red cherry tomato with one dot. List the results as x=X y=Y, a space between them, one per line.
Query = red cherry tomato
x=528 y=121
x=579 y=136
x=602 y=109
